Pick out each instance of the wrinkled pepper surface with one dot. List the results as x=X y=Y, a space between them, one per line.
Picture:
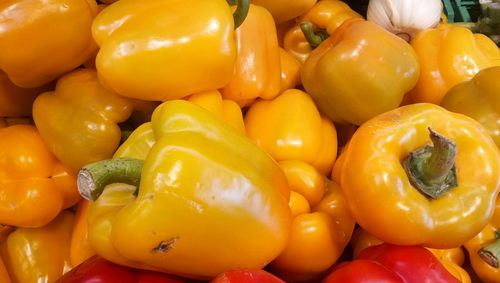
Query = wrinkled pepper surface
x=326 y=15
x=291 y=127
x=35 y=185
x=487 y=269
x=438 y=195
x=284 y=10
x=478 y=98
x=216 y=191
x=17 y=101
x=98 y=270
x=320 y=232
x=35 y=50
x=449 y=55
x=79 y=119
x=352 y=77
x=40 y=254
x=162 y=50
x=390 y=263
x=257 y=71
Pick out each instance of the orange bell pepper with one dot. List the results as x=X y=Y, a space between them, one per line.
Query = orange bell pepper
x=40 y=254
x=284 y=10
x=319 y=235
x=4 y=274
x=325 y=15
x=17 y=101
x=352 y=77
x=5 y=122
x=80 y=248
x=391 y=175
x=79 y=119
x=478 y=98
x=487 y=271
x=35 y=185
x=257 y=70
x=291 y=127
x=226 y=110
x=290 y=71
x=43 y=39
x=449 y=55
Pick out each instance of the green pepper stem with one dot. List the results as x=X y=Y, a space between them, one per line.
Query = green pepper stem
x=313 y=37
x=431 y=169
x=491 y=253
x=241 y=11
x=92 y=178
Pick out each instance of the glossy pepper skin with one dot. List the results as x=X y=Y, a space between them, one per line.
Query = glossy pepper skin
x=79 y=119
x=478 y=99
x=391 y=264
x=412 y=263
x=35 y=185
x=319 y=234
x=98 y=270
x=291 y=127
x=451 y=259
x=290 y=71
x=17 y=101
x=352 y=77
x=379 y=192
x=40 y=254
x=486 y=272
x=140 y=58
x=246 y=276
x=80 y=248
x=49 y=45
x=449 y=55
x=257 y=71
x=283 y=10
x=219 y=193
x=327 y=15
x=226 y=110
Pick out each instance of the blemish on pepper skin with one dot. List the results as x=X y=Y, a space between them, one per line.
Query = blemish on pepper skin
x=165 y=246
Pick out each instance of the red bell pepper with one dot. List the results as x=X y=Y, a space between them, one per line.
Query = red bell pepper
x=246 y=276
x=99 y=270
x=392 y=264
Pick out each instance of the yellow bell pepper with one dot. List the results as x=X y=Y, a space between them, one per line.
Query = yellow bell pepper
x=290 y=71
x=449 y=55
x=284 y=10
x=16 y=101
x=487 y=271
x=291 y=127
x=79 y=120
x=43 y=39
x=325 y=15
x=318 y=236
x=352 y=77
x=80 y=248
x=257 y=72
x=226 y=110
x=209 y=199
x=35 y=255
x=35 y=185
x=162 y=50
x=478 y=98
x=405 y=191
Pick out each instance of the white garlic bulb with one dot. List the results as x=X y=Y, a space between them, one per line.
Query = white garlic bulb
x=405 y=18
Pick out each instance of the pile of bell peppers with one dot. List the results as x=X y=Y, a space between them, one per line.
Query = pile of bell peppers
x=245 y=141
